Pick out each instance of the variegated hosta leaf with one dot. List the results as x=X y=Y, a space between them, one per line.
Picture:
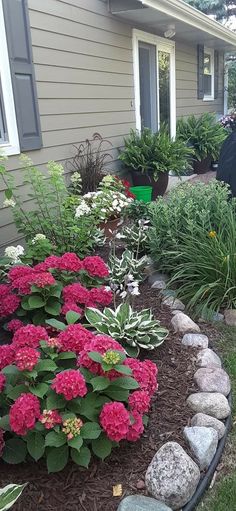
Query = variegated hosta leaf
x=9 y=495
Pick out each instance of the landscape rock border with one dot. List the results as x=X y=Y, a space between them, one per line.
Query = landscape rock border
x=190 y=327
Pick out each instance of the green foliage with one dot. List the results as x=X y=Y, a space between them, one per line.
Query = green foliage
x=49 y=215
x=37 y=249
x=126 y=273
x=137 y=210
x=203 y=134
x=9 y=495
x=136 y=237
x=155 y=153
x=187 y=207
x=232 y=85
x=221 y=9
x=206 y=274
x=134 y=330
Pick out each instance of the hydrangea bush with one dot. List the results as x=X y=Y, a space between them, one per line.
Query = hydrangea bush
x=54 y=287
x=69 y=396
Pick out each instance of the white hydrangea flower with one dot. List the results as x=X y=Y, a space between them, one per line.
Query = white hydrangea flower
x=82 y=209
x=76 y=177
x=38 y=237
x=9 y=203
x=14 y=253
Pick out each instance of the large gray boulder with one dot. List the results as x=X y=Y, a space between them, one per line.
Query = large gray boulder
x=203 y=444
x=208 y=358
x=174 y=303
x=212 y=379
x=172 y=476
x=211 y=403
x=201 y=419
x=141 y=503
x=195 y=340
x=183 y=324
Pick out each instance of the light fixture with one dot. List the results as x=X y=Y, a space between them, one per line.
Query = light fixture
x=170 y=32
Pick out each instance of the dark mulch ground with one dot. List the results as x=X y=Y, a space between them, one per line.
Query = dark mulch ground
x=76 y=489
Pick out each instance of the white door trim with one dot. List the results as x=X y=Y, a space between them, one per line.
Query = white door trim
x=161 y=45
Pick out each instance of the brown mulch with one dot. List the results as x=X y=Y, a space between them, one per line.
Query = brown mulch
x=76 y=489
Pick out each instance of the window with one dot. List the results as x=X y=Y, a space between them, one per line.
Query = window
x=208 y=74
x=9 y=141
x=154 y=71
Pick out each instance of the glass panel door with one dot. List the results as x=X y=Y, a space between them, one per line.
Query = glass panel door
x=164 y=87
x=148 y=85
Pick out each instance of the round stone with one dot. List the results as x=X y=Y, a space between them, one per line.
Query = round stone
x=201 y=419
x=208 y=358
x=195 y=340
x=211 y=403
x=174 y=303
x=140 y=503
x=183 y=324
x=172 y=476
x=203 y=443
x=212 y=379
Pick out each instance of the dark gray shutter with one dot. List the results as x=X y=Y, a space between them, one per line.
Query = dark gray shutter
x=216 y=74
x=200 y=71
x=22 y=72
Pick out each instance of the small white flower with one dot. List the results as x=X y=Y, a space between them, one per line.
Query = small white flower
x=38 y=237
x=14 y=253
x=123 y=294
x=9 y=203
x=135 y=292
x=82 y=209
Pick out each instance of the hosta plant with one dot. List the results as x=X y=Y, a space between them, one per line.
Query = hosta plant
x=54 y=287
x=126 y=273
x=69 y=396
x=133 y=329
x=136 y=236
x=9 y=495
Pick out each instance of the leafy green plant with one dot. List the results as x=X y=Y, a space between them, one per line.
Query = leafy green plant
x=154 y=153
x=126 y=273
x=49 y=215
x=133 y=329
x=203 y=134
x=90 y=161
x=204 y=266
x=137 y=210
x=187 y=207
x=9 y=495
x=136 y=237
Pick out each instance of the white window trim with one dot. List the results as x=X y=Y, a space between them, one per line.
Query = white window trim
x=210 y=97
x=12 y=147
x=161 y=45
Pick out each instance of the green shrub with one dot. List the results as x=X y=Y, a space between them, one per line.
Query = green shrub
x=136 y=236
x=188 y=206
x=155 y=153
x=137 y=210
x=204 y=134
x=133 y=329
x=204 y=266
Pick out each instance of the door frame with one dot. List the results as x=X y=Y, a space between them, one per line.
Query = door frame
x=161 y=45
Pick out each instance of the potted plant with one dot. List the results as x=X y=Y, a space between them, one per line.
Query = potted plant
x=151 y=156
x=205 y=135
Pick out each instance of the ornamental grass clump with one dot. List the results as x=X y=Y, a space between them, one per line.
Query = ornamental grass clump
x=204 y=266
x=133 y=329
x=54 y=287
x=70 y=397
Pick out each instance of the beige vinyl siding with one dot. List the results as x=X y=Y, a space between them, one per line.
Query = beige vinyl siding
x=84 y=73
x=186 y=84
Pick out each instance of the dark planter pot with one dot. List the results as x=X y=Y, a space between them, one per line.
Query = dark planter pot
x=158 y=187
x=203 y=166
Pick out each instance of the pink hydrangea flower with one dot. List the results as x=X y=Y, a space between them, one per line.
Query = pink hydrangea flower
x=24 y=413
x=70 y=262
x=115 y=421
x=101 y=296
x=8 y=305
x=139 y=401
x=26 y=358
x=43 y=279
x=14 y=325
x=2 y=382
x=75 y=293
x=52 y=262
x=50 y=418
x=70 y=384
x=136 y=427
x=71 y=306
x=95 y=266
x=5 y=290
x=7 y=355
x=19 y=271
x=74 y=338
x=145 y=373
x=29 y=335
x=100 y=344
x=2 y=443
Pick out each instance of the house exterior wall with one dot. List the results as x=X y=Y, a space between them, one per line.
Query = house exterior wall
x=84 y=74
